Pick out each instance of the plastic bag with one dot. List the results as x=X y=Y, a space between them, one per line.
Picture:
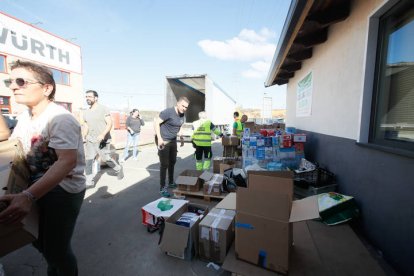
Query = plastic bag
x=165 y=205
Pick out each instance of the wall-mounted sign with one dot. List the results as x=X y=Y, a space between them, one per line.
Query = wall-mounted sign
x=304 y=96
x=23 y=40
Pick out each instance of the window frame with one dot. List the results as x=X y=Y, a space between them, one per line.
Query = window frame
x=59 y=80
x=370 y=83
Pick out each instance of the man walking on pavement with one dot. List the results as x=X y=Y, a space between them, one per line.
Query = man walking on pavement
x=202 y=140
x=97 y=124
x=167 y=127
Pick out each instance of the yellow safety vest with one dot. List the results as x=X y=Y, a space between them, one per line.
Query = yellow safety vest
x=202 y=135
x=239 y=129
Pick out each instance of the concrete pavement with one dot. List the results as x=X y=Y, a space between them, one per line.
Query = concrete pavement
x=109 y=238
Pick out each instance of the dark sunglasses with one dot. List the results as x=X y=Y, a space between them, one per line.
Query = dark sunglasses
x=20 y=82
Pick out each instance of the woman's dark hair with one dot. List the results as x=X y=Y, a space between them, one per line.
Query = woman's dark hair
x=41 y=73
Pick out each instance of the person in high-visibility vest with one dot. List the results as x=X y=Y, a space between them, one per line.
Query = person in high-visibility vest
x=238 y=125
x=201 y=139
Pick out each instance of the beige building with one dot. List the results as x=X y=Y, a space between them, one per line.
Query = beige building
x=348 y=66
x=20 y=40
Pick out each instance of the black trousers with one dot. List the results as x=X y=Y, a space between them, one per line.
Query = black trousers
x=58 y=211
x=168 y=157
x=202 y=151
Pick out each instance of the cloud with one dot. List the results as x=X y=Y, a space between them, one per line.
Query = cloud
x=248 y=46
x=257 y=70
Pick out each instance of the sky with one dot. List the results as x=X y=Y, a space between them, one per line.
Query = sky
x=128 y=47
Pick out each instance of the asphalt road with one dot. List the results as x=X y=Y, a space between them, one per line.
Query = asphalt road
x=109 y=238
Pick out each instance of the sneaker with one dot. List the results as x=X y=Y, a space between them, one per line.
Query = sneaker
x=164 y=192
x=120 y=173
x=135 y=158
x=172 y=185
x=122 y=160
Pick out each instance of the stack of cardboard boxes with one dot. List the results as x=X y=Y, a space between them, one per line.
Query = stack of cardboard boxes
x=193 y=181
x=260 y=221
x=231 y=146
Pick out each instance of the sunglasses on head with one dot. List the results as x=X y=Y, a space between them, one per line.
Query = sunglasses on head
x=20 y=82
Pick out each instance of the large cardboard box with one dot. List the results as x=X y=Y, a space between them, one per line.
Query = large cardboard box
x=14 y=178
x=216 y=234
x=180 y=241
x=265 y=211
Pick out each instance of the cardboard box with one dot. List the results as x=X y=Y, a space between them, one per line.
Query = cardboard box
x=206 y=176
x=249 y=125
x=234 y=161
x=231 y=151
x=179 y=241
x=189 y=180
x=299 y=137
x=14 y=178
x=224 y=167
x=265 y=211
x=151 y=214
x=214 y=185
x=216 y=234
x=230 y=141
x=299 y=148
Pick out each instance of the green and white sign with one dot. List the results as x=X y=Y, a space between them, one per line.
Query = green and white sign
x=304 y=96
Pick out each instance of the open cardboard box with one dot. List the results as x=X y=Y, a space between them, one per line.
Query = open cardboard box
x=265 y=212
x=234 y=162
x=180 y=241
x=192 y=180
x=14 y=178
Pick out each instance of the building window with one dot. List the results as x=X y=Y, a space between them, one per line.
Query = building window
x=392 y=116
x=61 y=77
x=2 y=64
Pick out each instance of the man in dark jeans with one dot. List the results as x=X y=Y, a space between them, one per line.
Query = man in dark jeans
x=167 y=127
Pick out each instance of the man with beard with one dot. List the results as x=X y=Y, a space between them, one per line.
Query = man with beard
x=167 y=127
x=97 y=123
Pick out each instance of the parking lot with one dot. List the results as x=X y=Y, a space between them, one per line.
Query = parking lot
x=109 y=238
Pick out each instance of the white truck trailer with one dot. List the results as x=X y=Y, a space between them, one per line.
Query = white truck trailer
x=204 y=95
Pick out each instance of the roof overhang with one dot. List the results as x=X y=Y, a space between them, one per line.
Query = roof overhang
x=306 y=25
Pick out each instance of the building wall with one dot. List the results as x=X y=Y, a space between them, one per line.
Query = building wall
x=381 y=182
x=14 y=31
x=337 y=69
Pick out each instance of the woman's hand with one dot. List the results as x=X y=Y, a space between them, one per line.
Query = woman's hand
x=19 y=206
